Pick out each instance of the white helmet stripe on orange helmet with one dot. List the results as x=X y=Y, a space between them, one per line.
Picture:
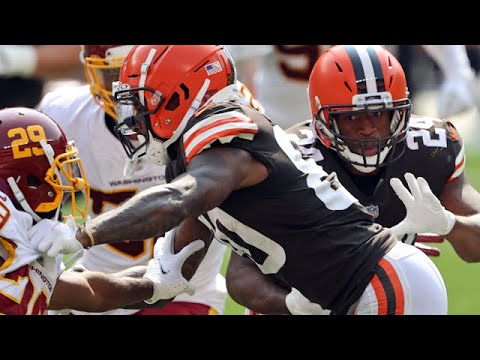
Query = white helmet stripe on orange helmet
x=143 y=74
x=367 y=69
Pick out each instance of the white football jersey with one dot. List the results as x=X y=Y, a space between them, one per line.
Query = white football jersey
x=27 y=279
x=103 y=158
x=284 y=81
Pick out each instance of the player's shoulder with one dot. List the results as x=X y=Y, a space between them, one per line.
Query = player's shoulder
x=12 y=221
x=63 y=99
x=215 y=108
x=442 y=128
x=5 y=201
x=222 y=122
x=301 y=126
x=302 y=133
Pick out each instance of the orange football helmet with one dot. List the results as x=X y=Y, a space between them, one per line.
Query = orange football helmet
x=351 y=79
x=38 y=164
x=164 y=85
x=102 y=65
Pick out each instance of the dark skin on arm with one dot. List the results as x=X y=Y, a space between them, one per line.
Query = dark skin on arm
x=463 y=200
x=210 y=178
x=249 y=287
x=96 y=292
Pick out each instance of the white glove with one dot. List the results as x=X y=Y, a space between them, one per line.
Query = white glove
x=455 y=96
x=298 y=304
x=425 y=213
x=18 y=60
x=165 y=269
x=53 y=237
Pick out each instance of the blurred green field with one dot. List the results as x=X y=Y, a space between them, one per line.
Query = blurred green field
x=462 y=279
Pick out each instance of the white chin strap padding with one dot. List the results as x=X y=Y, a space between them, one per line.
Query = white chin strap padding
x=157 y=151
x=370 y=160
x=21 y=199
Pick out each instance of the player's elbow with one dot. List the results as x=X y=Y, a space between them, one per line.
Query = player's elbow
x=469 y=255
x=469 y=258
x=98 y=302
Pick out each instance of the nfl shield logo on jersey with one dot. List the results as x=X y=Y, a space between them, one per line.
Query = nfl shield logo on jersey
x=373 y=210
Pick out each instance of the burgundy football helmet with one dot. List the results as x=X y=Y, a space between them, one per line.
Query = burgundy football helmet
x=38 y=164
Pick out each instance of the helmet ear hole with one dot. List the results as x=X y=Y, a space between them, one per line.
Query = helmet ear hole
x=33 y=181
x=173 y=103
x=186 y=92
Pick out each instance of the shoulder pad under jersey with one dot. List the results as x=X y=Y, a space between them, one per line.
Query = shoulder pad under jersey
x=217 y=122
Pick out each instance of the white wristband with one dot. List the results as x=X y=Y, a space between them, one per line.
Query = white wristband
x=18 y=60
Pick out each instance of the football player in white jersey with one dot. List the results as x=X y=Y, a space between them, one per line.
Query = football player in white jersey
x=38 y=167
x=87 y=115
x=458 y=91
x=248 y=60
x=284 y=78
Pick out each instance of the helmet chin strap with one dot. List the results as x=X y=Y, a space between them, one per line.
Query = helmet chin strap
x=364 y=169
x=131 y=163
x=21 y=199
x=371 y=161
x=157 y=151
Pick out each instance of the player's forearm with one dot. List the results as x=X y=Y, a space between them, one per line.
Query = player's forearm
x=150 y=213
x=249 y=287
x=138 y=272
x=98 y=292
x=190 y=230
x=465 y=237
